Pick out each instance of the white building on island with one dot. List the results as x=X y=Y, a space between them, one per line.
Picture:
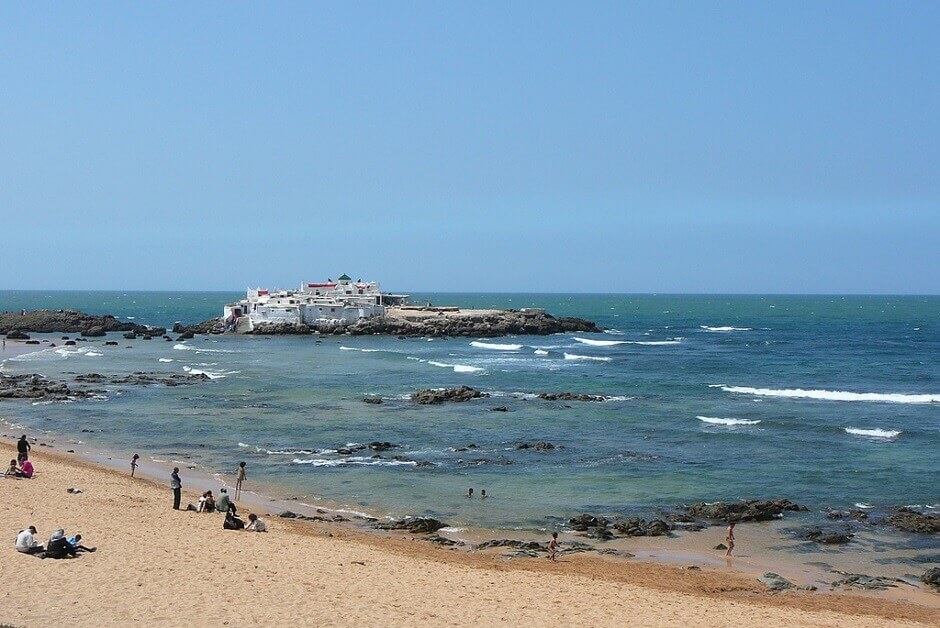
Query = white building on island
x=328 y=304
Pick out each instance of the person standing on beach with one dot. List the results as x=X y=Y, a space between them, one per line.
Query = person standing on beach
x=23 y=447
x=134 y=464
x=553 y=547
x=729 y=537
x=239 y=479
x=177 y=485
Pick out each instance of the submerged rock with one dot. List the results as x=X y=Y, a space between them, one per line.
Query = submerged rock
x=434 y=396
x=372 y=400
x=862 y=581
x=567 y=396
x=16 y=334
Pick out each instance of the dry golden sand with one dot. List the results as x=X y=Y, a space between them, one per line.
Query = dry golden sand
x=156 y=566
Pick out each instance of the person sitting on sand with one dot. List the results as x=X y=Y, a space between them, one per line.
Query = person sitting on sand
x=207 y=502
x=729 y=537
x=58 y=546
x=27 y=469
x=225 y=503
x=255 y=524
x=13 y=471
x=76 y=543
x=26 y=541
x=232 y=522
x=553 y=547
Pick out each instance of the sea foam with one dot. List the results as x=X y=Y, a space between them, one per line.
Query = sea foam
x=729 y=422
x=599 y=343
x=832 y=395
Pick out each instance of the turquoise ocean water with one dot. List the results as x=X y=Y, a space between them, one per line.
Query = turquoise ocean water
x=829 y=401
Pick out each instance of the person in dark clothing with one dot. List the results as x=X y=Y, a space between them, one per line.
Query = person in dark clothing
x=232 y=522
x=23 y=447
x=58 y=546
x=177 y=485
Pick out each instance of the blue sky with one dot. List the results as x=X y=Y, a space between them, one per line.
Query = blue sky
x=655 y=147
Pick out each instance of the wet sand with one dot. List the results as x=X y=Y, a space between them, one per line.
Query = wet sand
x=163 y=567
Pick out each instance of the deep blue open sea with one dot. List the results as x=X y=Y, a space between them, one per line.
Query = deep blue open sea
x=826 y=400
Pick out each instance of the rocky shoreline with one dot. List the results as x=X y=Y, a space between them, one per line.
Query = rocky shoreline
x=16 y=325
x=37 y=387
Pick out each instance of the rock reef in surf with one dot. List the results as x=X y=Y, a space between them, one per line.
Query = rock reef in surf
x=68 y=321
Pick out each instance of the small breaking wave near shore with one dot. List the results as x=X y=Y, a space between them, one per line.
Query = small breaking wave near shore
x=874 y=433
x=496 y=346
x=832 y=395
x=727 y=421
x=575 y=356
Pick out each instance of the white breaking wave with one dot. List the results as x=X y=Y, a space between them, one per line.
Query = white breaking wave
x=182 y=347
x=656 y=343
x=863 y=505
x=832 y=395
x=707 y=328
x=93 y=354
x=209 y=374
x=600 y=343
x=541 y=352
x=344 y=348
x=355 y=460
x=720 y=421
x=574 y=356
x=495 y=345
x=458 y=368
x=166 y=359
x=874 y=433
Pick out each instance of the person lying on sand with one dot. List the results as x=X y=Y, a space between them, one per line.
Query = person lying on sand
x=232 y=522
x=76 y=543
x=58 y=546
x=255 y=524
x=26 y=541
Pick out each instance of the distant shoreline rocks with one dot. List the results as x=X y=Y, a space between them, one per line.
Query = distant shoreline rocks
x=15 y=325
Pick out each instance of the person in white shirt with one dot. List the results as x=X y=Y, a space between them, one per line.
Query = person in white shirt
x=255 y=524
x=26 y=543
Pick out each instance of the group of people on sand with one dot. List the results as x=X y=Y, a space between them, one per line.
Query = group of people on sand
x=59 y=545
x=21 y=467
x=208 y=503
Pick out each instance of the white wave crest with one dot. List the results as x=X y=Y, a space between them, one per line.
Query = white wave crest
x=874 y=433
x=495 y=345
x=575 y=356
x=355 y=460
x=832 y=395
x=209 y=374
x=166 y=359
x=719 y=421
x=599 y=343
x=458 y=368
x=182 y=347
x=724 y=329
x=541 y=352
x=655 y=343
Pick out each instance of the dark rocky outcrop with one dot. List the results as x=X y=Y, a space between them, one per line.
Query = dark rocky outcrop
x=16 y=334
x=776 y=582
x=634 y=526
x=483 y=325
x=94 y=332
x=372 y=400
x=434 y=396
x=36 y=387
x=416 y=525
x=931 y=577
x=862 y=581
x=824 y=536
x=67 y=321
x=514 y=543
x=567 y=396
x=211 y=326
x=752 y=510
x=908 y=520
x=130 y=335
x=539 y=446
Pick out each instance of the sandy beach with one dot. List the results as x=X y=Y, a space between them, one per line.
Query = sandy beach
x=163 y=567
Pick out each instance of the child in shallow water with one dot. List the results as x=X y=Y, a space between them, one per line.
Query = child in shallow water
x=134 y=464
x=469 y=492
